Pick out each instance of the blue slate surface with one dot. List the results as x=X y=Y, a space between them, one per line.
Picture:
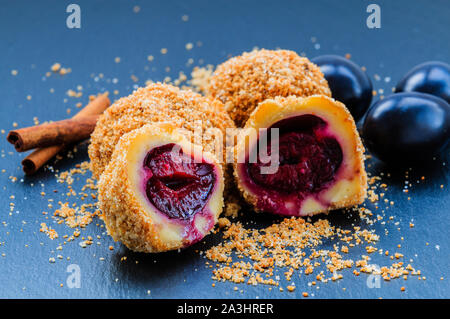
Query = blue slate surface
x=33 y=36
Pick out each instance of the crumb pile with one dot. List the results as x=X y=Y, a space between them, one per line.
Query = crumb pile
x=296 y=247
x=295 y=244
x=200 y=78
x=244 y=81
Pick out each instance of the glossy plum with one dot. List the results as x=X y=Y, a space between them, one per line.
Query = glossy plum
x=430 y=77
x=349 y=84
x=407 y=127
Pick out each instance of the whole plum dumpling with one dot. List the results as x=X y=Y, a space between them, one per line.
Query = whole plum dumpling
x=242 y=82
x=160 y=192
x=315 y=165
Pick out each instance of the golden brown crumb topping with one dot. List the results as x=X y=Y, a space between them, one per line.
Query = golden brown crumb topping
x=246 y=80
x=156 y=103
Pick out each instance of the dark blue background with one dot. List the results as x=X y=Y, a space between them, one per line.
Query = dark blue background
x=33 y=36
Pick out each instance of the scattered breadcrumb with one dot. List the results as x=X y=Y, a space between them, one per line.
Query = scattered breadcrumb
x=51 y=233
x=256 y=256
x=73 y=93
x=189 y=46
x=55 y=67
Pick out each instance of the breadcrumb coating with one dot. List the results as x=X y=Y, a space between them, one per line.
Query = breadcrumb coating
x=156 y=103
x=246 y=80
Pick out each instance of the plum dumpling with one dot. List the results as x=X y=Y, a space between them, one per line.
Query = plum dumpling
x=319 y=157
x=159 y=191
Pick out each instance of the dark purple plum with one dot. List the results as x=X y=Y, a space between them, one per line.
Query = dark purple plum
x=349 y=84
x=407 y=127
x=429 y=77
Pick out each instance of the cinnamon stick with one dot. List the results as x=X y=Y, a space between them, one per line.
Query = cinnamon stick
x=60 y=132
x=39 y=157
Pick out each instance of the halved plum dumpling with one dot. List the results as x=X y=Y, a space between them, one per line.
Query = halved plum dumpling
x=313 y=161
x=160 y=192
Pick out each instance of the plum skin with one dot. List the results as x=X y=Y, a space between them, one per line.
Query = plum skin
x=407 y=127
x=348 y=83
x=431 y=77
